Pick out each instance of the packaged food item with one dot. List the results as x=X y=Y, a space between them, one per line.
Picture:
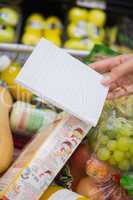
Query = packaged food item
x=57 y=192
x=42 y=159
x=112 y=142
x=6 y=141
x=27 y=119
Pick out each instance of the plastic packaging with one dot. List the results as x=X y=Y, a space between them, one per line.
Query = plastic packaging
x=27 y=119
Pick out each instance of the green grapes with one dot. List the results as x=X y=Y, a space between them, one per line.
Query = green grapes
x=118 y=156
x=123 y=143
x=112 y=161
x=104 y=140
x=124 y=165
x=103 y=154
x=111 y=145
x=131 y=149
x=114 y=141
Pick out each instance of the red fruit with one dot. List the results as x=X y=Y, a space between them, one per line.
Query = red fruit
x=77 y=163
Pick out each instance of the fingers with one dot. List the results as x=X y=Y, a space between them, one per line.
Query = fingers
x=118 y=72
x=119 y=92
x=106 y=65
x=116 y=94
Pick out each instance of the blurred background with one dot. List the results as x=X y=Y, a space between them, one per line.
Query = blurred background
x=72 y=24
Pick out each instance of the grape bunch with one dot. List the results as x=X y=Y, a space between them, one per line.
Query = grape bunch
x=114 y=142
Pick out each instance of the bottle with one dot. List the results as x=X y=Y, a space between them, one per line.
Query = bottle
x=25 y=118
x=59 y=193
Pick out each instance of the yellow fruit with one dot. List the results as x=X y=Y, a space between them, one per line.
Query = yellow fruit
x=53 y=37
x=97 y=17
x=77 y=14
x=32 y=31
x=95 y=34
x=30 y=39
x=77 y=30
x=49 y=192
x=34 y=23
x=35 y=17
x=78 y=44
x=55 y=192
x=8 y=75
x=6 y=141
x=53 y=23
x=20 y=93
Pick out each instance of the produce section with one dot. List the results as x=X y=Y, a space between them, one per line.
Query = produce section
x=98 y=169
x=45 y=153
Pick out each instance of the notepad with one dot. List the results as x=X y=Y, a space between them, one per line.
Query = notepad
x=64 y=81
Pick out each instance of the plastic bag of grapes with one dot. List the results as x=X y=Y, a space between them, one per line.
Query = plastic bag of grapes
x=112 y=139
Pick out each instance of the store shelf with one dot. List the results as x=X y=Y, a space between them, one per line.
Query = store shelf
x=25 y=48
x=91 y=4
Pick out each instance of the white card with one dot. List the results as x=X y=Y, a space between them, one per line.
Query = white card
x=64 y=81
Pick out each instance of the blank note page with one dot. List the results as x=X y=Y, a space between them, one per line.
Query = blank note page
x=64 y=81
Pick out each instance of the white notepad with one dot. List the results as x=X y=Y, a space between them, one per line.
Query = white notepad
x=64 y=81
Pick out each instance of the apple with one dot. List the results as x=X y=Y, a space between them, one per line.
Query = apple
x=54 y=23
x=8 y=16
x=7 y=34
x=97 y=17
x=77 y=14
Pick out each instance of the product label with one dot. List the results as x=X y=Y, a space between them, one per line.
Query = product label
x=65 y=195
x=47 y=161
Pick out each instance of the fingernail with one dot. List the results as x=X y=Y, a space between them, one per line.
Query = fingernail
x=106 y=80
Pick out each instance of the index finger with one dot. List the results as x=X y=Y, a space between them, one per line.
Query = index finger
x=108 y=64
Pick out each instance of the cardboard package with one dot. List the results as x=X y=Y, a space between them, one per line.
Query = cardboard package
x=42 y=159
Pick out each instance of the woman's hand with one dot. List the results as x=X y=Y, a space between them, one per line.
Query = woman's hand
x=119 y=74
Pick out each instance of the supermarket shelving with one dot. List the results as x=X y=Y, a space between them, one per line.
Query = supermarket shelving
x=91 y=4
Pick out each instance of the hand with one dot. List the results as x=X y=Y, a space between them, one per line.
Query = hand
x=119 y=74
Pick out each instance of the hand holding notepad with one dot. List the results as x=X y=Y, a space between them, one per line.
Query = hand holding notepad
x=64 y=81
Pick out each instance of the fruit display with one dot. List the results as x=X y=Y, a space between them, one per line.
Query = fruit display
x=85 y=25
x=8 y=76
x=9 y=18
x=37 y=26
x=101 y=166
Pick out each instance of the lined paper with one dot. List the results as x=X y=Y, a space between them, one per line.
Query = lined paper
x=64 y=81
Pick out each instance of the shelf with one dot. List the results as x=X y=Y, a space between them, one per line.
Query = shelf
x=28 y=49
x=91 y=4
